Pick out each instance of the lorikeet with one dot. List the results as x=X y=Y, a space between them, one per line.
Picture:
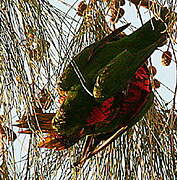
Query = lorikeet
x=104 y=88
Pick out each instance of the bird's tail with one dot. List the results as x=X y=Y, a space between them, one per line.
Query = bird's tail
x=58 y=142
x=39 y=123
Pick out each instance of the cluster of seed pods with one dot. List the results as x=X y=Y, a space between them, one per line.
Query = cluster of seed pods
x=36 y=47
x=116 y=11
x=155 y=83
x=165 y=61
x=114 y=8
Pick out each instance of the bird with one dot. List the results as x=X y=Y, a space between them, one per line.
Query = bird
x=104 y=89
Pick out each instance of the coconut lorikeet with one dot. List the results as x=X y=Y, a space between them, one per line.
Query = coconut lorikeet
x=110 y=91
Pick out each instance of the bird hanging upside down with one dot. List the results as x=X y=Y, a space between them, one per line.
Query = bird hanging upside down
x=109 y=94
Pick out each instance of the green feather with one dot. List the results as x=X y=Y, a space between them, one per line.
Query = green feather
x=122 y=58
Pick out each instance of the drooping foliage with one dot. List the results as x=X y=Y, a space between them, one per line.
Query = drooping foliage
x=38 y=40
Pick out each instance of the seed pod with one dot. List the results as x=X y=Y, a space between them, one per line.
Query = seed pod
x=34 y=54
x=121 y=12
x=155 y=84
x=122 y=2
x=166 y=58
x=152 y=70
x=81 y=8
x=116 y=14
x=115 y=3
x=119 y=3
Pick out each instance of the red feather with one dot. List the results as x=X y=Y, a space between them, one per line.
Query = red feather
x=129 y=104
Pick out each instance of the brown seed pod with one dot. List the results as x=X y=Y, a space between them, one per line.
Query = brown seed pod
x=116 y=14
x=119 y=3
x=166 y=58
x=152 y=70
x=81 y=8
x=35 y=54
x=121 y=12
x=122 y=2
x=113 y=15
x=115 y=3
x=155 y=84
